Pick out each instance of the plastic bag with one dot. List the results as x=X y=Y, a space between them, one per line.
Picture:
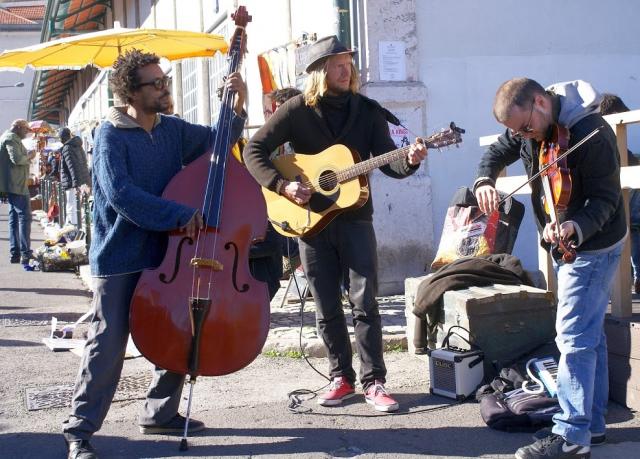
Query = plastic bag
x=467 y=231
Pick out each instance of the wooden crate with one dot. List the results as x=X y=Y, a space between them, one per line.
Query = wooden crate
x=623 y=342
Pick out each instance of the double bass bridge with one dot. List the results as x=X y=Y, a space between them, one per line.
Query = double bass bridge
x=215 y=265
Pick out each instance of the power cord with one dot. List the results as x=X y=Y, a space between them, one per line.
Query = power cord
x=298 y=396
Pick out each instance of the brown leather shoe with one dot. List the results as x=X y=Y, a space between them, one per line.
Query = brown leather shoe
x=81 y=449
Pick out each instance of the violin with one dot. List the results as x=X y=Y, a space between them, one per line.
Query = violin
x=556 y=183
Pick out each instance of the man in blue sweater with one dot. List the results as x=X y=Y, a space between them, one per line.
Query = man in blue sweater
x=137 y=152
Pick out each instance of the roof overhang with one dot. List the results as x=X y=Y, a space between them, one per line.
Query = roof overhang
x=62 y=18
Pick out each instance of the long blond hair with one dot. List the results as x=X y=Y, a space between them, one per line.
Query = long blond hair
x=316 y=85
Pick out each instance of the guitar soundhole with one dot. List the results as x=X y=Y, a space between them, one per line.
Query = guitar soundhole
x=328 y=181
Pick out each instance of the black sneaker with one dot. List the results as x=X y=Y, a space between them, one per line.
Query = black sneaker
x=81 y=449
x=596 y=439
x=174 y=426
x=15 y=259
x=553 y=447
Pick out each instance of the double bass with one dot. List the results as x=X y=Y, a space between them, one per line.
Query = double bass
x=201 y=313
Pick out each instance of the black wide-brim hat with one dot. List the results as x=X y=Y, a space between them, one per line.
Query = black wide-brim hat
x=324 y=48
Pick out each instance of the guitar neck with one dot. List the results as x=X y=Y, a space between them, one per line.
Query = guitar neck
x=370 y=164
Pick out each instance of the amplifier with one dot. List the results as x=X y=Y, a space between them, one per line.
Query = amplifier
x=455 y=373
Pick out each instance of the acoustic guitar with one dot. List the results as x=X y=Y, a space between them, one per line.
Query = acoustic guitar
x=338 y=182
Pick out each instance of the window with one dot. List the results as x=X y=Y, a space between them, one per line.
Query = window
x=218 y=66
x=190 y=90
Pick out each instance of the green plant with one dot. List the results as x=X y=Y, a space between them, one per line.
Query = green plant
x=290 y=353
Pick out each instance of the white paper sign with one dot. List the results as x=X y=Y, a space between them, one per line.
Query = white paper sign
x=392 y=61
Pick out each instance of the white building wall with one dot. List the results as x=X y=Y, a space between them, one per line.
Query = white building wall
x=457 y=53
x=468 y=48
x=402 y=208
x=15 y=101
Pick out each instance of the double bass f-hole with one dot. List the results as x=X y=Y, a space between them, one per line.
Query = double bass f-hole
x=234 y=271
x=176 y=264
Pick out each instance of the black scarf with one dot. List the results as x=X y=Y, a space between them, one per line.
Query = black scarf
x=335 y=111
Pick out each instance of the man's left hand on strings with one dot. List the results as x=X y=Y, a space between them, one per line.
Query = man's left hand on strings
x=550 y=233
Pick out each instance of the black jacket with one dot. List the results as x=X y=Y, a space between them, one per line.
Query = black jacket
x=365 y=130
x=596 y=204
x=73 y=165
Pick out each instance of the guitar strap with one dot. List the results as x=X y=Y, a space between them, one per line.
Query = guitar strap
x=390 y=117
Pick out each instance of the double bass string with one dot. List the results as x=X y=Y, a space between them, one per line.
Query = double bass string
x=222 y=143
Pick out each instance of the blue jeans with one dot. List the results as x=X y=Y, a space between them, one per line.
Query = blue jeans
x=634 y=218
x=583 y=379
x=19 y=225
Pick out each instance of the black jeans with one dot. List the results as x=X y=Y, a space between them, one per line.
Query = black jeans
x=346 y=247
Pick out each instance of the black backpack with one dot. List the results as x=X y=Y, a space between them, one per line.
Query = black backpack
x=505 y=406
x=518 y=411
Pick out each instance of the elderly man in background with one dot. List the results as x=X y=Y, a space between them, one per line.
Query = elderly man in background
x=14 y=172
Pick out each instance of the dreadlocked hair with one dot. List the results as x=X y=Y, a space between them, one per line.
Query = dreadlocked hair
x=124 y=77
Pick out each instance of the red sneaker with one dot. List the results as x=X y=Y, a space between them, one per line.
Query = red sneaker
x=340 y=389
x=377 y=396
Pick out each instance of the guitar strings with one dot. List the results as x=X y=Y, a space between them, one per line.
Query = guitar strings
x=335 y=178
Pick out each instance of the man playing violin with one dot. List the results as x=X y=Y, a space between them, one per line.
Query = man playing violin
x=331 y=111
x=593 y=222
x=137 y=152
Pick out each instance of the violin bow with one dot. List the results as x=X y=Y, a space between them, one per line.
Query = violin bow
x=544 y=169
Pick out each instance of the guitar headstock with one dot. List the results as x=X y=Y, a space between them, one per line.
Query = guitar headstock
x=446 y=137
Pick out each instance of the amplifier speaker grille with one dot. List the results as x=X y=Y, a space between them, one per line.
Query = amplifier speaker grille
x=444 y=375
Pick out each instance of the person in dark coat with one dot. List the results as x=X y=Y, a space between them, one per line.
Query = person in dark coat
x=611 y=104
x=329 y=112
x=74 y=172
x=593 y=222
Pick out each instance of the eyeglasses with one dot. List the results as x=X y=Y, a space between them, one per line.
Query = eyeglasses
x=159 y=83
x=527 y=129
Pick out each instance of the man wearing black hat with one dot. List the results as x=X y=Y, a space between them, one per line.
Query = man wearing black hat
x=74 y=172
x=329 y=112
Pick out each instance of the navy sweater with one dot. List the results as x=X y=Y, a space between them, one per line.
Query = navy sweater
x=131 y=168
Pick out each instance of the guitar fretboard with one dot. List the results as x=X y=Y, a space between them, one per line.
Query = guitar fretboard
x=370 y=164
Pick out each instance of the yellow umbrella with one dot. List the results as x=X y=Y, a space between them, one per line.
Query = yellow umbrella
x=101 y=49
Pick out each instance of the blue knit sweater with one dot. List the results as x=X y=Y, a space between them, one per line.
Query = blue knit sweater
x=131 y=168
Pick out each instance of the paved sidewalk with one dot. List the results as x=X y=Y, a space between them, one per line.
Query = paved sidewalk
x=284 y=332
x=245 y=412
x=284 y=335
